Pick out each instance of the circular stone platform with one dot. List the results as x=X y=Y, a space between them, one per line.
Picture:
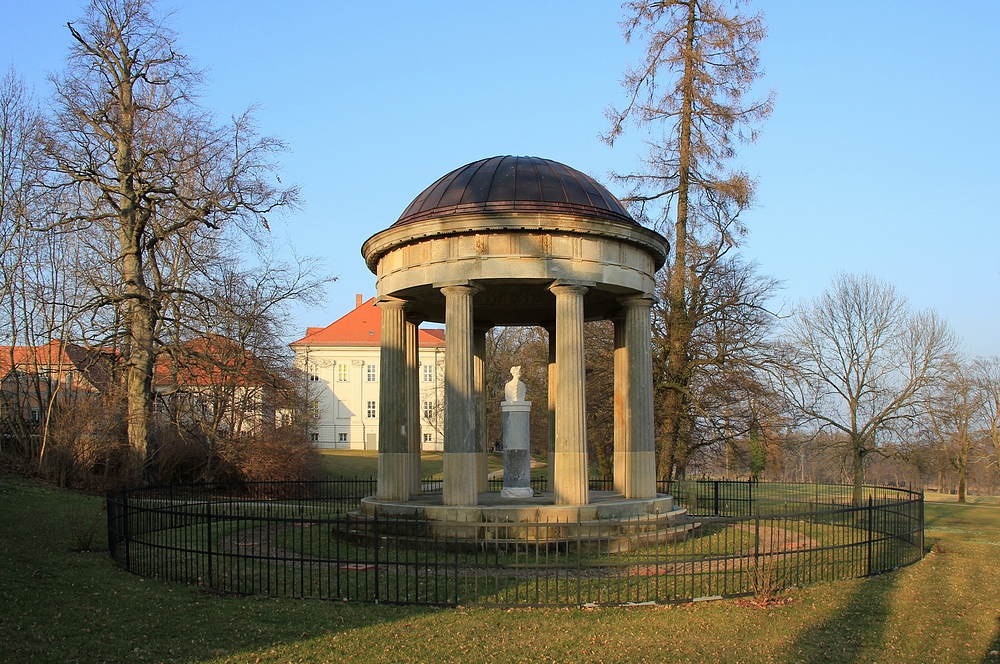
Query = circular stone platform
x=492 y=508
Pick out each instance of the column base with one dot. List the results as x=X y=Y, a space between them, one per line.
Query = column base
x=461 y=482
x=393 y=476
x=640 y=475
x=571 y=479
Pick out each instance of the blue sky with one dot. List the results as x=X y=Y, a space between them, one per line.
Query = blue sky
x=880 y=157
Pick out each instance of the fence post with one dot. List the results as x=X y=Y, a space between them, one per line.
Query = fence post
x=871 y=515
x=756 y=537
x=112 y=515
x=921 y=523
x=715 y=497
x=378 y=541
x=208 y=524
x=126 y=532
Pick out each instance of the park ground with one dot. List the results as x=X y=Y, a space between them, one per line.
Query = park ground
x=59 y=604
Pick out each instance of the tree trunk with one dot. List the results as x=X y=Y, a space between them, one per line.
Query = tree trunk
x=678 y=320
x=859 y=476
x=139 y=375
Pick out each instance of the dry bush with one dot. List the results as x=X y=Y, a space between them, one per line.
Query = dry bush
x=185 y=455
x=84 y=446
x=84 y=520
x=281 y=454
x=767 y=578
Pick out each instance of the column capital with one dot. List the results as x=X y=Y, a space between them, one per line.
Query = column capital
x=638 y=300
x=570 y=286
x=386 y=302
x=457 y=287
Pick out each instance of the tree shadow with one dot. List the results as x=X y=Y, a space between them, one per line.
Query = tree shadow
x=852 y=629
x=994 y=647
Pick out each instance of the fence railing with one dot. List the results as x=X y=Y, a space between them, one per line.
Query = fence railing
x=304 y=539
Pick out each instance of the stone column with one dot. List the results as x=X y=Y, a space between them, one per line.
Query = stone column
x=413 y=434
x=551 y=461
x=479 y=372
x=570 y=486
x=393 y=457
x=640 y=451
x=621 y=405
x=460 y=459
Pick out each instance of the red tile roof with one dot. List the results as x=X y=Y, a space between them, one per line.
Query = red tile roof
x=362 y=327
x=57 y=358
x=211 y=361
x=50 y=356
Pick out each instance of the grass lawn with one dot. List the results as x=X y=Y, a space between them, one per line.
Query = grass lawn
x=349 y=464
x=58 y=605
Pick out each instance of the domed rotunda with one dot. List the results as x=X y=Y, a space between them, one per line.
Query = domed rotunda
x=514 y=241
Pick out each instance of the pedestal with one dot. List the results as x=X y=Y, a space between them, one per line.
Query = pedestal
x=516 y=449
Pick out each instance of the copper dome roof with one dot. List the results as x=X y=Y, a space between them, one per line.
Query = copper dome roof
x=515 y=184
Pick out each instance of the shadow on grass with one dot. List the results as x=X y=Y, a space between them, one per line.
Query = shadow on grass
x=851 y=630
x=92 y=610
x=992 y=654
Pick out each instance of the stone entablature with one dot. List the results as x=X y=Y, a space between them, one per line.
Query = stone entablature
x=616 y=257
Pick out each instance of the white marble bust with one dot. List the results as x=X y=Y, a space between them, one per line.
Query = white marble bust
x=514 y=390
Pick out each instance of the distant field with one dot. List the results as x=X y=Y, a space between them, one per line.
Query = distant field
x=59 y=605
x=935 y=497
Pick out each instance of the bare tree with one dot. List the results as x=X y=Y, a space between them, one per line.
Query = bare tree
x=147 y=167
x=954 y=408
x=857 y=362
x=723 y=395
x=599 y=339
x=227 y=337
x=37 y=288
x=700 y=65
x=986 y=372
x=18 y=166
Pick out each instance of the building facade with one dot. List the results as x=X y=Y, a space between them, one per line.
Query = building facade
x=341 y=363
x=216 y=385
x=33 y=378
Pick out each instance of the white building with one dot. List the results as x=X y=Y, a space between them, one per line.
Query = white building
x=342 y=364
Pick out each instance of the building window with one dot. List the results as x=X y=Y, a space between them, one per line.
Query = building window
x=371 y=409
x=314 y=437
x=342 y=438
x=371 y=373
x=428 y=410
x=342 y=373
x=33 y=415
x=428 y=373
x=428 y=438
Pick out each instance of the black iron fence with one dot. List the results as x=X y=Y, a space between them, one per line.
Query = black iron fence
x=305 y=539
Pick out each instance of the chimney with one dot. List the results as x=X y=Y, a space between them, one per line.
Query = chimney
x=358 y=299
